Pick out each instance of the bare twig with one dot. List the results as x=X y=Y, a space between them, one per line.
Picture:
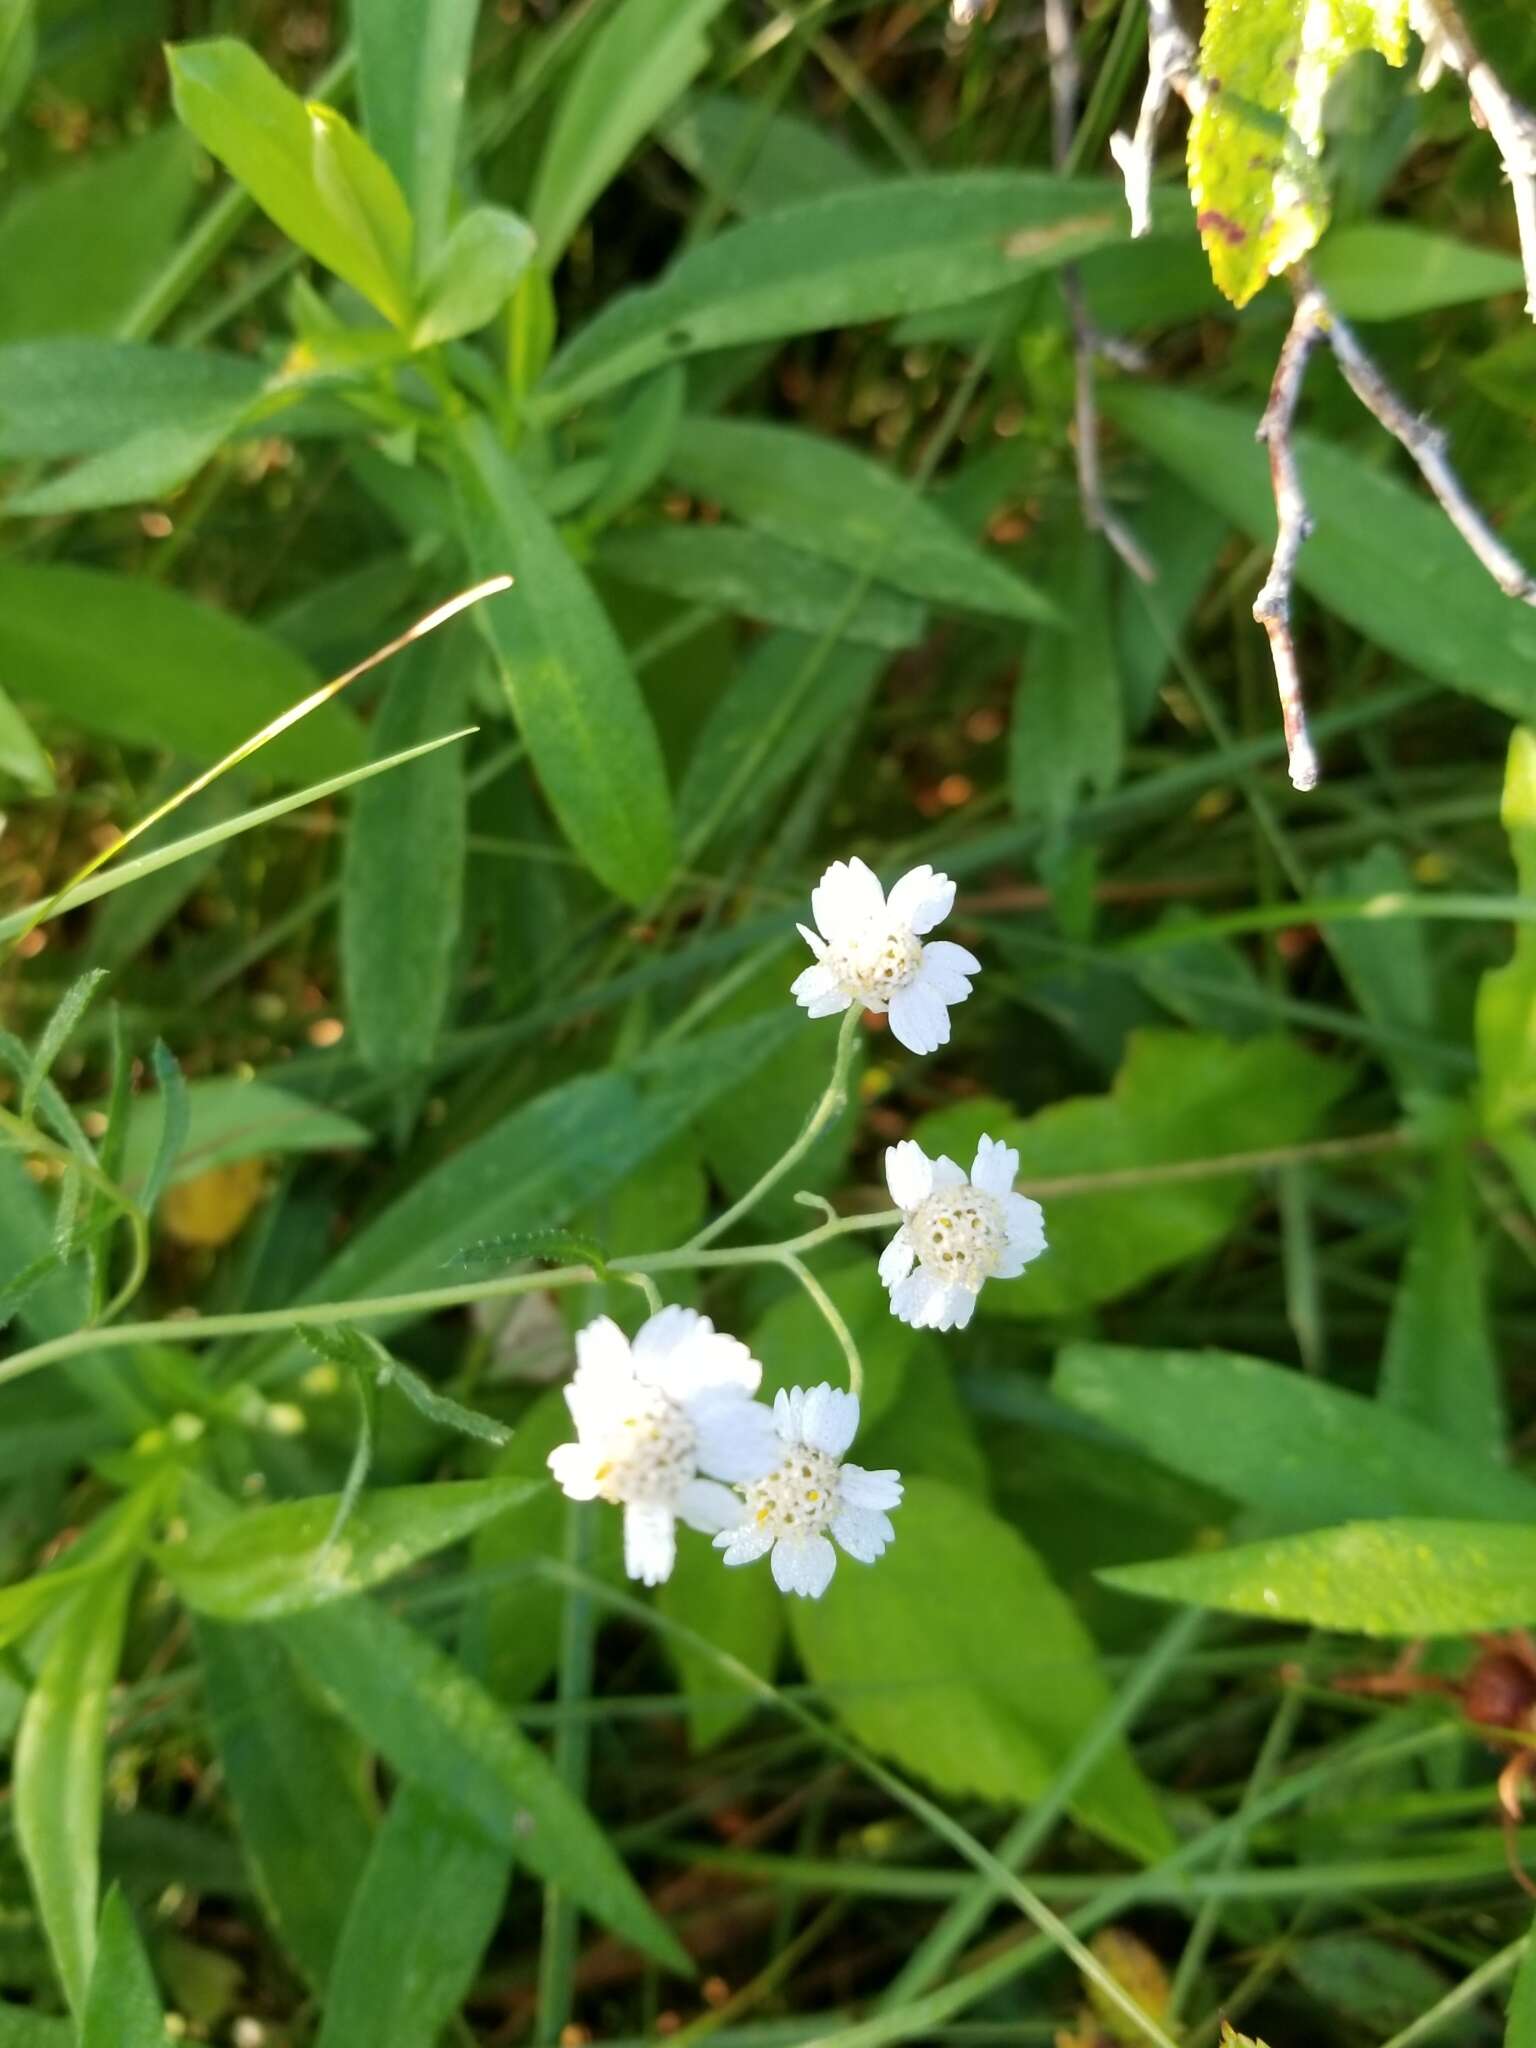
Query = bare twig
x=1511 y=124
x=1066 y=82
x=1171 y=69
x=1272 y=606
x=1428 y=445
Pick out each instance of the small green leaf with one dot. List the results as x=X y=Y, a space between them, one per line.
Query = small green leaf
x=1439 y=1365
x=474 y=276
x=277 y=1560
x=573 y=693
x=440 y=1730
x=492 y=1255
x=22 y=756
x=811 y=492
x=60 y=1755
x=227 y=1120
x=122 y=2007
x=412 y=67
x=425 y=1908
x=1391 y=270
x=149 y=465
x=68 y=1011
x=365 y=1355
x=638 y=62
x=296 y=1778
x=911 y=1658
x=175 y=1121
x=402 y=873
x=1392 y=1578
x=305 y=167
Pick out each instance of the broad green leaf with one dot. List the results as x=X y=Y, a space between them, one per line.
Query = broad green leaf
x=1068 y=728
x=547 y=1159
x=1285 y=1443
x=22 y=757
x=757 y=157
x=230 y=1120
x=18 y=53
x=424 y=1910
x=444 y=1733
x=83 y=396
x=632 y=69
x=1396 y=1578
x=1439 y=1365
x=1179 y=1095
x=474 y=276
x=740 y=1612
x=1506 y=996
x=895 y=246
x=277 y=1560
x=1260 y=202
x=732 y=569
x=812 y=493
x=402 y=872
x=119 y=214
x=910 y=1656
x=412 y=67
x=1388 y=972
x=60 y=1755
x=1389 y=270
x=769 y=721
x=132 y=661
x=573 y=693
x=296 y=1778
x=1448 y=620
x=122 y=2007
x=304 y=166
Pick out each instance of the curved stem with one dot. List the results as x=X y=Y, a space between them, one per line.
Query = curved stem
x=835 y=1322
x=831 y=1103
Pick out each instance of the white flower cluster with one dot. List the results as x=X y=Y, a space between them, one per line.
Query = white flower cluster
x=667 y=1426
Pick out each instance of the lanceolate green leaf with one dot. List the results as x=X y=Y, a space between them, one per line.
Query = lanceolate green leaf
x=229 y=1120
x=122 y=2007
x=474 y=276
x=305 y=167
x=1068 y=729
x=18 y=52
x=132 y=661
x=574 y=694
x=911 y=1658
x=1448 y=620
x=296 y=1778
x=60 y=1752
x=1397 y=1578
x=412 y=63
x=278 y=1560
x=1440 y=1365
x=22 y=758
x=631 y=71
x=426 y=1906
x=1506 y=996
x=898 y=245
x=79 y=396
x=402 y=877
x=1284 y=1443
x=440 y=1730
x=815 y=494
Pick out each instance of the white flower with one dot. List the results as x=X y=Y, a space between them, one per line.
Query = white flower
x=659 y=1423
x=812 y=1495
x=869 y=950
x=957 y=1232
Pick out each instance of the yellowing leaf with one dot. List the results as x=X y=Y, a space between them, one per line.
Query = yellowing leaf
x=208 y=1210
x=1259 y=201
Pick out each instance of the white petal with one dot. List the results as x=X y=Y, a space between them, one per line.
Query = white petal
x=918 y=1299
x=908 y=1173
x=946 y=1174
x=830 y=1421
x=1024 y=1222
x=919 y=1019
x=787 y=1405
x=737 y=1438
x=689 y=1362
x=814 y=940
x=896 y=1260
x=803 y=1564
x=744 y=1544
x=650 y=1542
x=707 y=1507
x=575 y=1470
x=832 y=1005
x=953 y=959
x=863 y=1532
x=847 y=898
x=921 y=899
x=815 y=989
x=604 y=1375
x=962 y=1306
x=995 y=1168
x=857 y=1488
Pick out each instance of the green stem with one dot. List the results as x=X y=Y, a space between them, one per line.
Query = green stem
x=1466 y=1993
x=835 y=1322
x=830 y=1105
x=573 y=1740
